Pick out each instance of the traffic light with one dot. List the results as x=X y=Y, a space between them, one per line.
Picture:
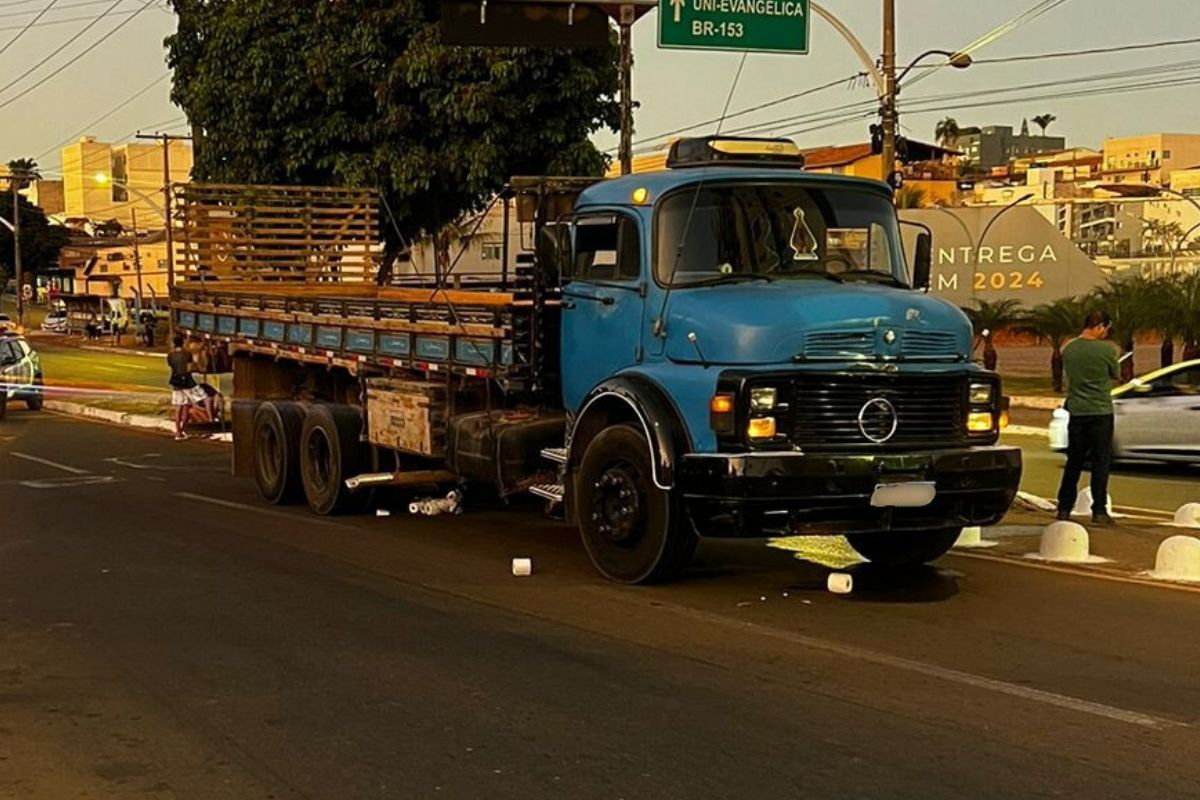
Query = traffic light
x=876 y=139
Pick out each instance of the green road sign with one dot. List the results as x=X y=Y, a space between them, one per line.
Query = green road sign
x=769 y=26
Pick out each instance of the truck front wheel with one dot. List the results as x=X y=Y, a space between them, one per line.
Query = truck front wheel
x=904 y=549
x=633 y=531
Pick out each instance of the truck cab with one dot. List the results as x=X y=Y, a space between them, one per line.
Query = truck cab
x=746 y=351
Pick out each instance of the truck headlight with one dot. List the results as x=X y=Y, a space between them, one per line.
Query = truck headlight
x=762 y=400
x=981 y=422
x=761 y=428
x=983 y=394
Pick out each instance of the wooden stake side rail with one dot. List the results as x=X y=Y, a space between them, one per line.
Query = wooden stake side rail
x=364 y=328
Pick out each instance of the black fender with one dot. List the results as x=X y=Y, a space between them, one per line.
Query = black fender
x=635 y=399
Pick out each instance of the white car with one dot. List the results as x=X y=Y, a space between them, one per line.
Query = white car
x=1156 y=417
x=55 y=321
x=20 y=373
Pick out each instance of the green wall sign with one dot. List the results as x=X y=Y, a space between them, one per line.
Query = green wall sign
x=766 y=26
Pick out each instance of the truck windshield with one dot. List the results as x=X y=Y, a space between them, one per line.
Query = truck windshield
x=727 y=233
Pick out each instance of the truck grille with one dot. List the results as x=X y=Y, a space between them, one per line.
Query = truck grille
x=929 y=344
x=929 y=411
x=839 y=344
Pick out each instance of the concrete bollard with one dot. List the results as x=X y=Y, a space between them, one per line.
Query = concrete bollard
x=1083 y=504
x=1188 y=516
x=971 y=538
x=1178 y=560
x=1067 y=543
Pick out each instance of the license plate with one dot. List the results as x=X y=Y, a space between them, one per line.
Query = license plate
x=903 y=495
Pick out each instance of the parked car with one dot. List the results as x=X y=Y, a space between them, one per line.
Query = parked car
x=1157 y=417
x=6 y=322
x=55 y=321
x=20 y=372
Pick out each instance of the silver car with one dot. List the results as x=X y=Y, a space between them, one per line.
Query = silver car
x=1157 y=417
x=20 y=372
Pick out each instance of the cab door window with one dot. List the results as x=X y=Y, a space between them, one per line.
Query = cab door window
x=607 y=249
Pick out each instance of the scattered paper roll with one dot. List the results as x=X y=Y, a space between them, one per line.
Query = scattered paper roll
x=522 y=567
x=840 y=583
x=414 y=508
x=382 y=512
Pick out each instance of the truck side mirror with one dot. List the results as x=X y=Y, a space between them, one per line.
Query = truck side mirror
x=923 y=261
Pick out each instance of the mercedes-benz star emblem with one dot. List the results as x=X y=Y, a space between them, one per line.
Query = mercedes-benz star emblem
x=877 y=420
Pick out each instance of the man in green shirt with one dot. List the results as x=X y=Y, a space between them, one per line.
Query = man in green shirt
x=1091 y=366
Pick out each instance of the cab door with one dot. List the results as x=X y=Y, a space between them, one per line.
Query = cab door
x=603 y=302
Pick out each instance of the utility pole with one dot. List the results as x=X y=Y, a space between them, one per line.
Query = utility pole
x=15 y=181
x=887 y=110
x=137 y=262
x=166 y=140
x=625 y=25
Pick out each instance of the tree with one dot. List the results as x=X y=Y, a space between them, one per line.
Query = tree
x=947 y=132
x=365 y=94
x=1044 y=121
x=1162 y=236
x=1128 y=302
x=40 y=241
x=911 y=197
x=989 y=318
x=26 y=168
x=1186 y=309
x=1054 y=323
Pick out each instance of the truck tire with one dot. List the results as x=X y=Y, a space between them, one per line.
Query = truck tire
x=633 y=531
x=330 y=452
x=33 y=400
x=901 y=550
x=276 y=436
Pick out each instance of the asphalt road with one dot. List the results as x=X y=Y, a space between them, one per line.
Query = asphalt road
x=1163 y=487
x=165 y=635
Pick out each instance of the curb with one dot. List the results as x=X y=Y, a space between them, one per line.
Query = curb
x=107 y=415
x=1026 y=430
x=1039 y=403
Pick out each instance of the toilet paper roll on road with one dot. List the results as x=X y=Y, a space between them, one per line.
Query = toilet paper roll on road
x=840 y=583
x=522 y=567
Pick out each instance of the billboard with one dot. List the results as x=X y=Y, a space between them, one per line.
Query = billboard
x=993 y=253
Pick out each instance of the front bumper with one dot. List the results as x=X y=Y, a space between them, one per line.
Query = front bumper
x=741 y=495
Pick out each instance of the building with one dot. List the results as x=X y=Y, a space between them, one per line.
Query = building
x=1066 y=166
x=102 y=181
x=1149 y=159
x=931 y=169
x=114 y=268
x=986 y=149
x=1187 y=181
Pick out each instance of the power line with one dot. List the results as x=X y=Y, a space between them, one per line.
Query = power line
x=31 y=23
x=61 y=47
x=59 y=8
x=1095 y=51
x=66 y=21
x=107 y=114
x=80 y=55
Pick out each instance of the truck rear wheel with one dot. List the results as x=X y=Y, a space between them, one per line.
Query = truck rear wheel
x=633 y=531
x=276 y=434
x=330 y=452
x=904 y=549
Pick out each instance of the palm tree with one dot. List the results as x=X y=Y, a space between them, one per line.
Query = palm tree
x=1054 y=323
x=1165 y=234
x=1161 y=312
x=1186 y=309
x=1044 y=121
x=27 y=168
x=910 y=197
x=1130 y=304
x=988 y=319
x=947 y=132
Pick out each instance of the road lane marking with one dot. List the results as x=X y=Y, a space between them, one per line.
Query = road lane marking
x=270 y=512
x=47 y=462
x=69 y=482
x=948 y=674
x=1149 y=583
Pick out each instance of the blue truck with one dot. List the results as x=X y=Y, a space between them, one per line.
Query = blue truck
x=730 y=347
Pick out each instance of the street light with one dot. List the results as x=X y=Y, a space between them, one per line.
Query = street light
x=103 y=179
x=956 y=60
x=988 y=227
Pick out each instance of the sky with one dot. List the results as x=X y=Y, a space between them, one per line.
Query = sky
x=674 y=88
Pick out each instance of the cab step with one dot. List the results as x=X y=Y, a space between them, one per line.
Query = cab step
x=556 y=454
x=550 y=491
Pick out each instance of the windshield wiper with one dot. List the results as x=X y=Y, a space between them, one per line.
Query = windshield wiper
x=870 y=273
x=723 y=279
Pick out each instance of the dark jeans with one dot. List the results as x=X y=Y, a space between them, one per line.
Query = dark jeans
x=1087 y=437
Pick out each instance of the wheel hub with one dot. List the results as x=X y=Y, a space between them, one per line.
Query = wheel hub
x=617 y=506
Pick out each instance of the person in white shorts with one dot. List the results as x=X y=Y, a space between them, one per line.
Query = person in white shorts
x=185 y=391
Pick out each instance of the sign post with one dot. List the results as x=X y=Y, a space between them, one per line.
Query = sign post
x=764 y=26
